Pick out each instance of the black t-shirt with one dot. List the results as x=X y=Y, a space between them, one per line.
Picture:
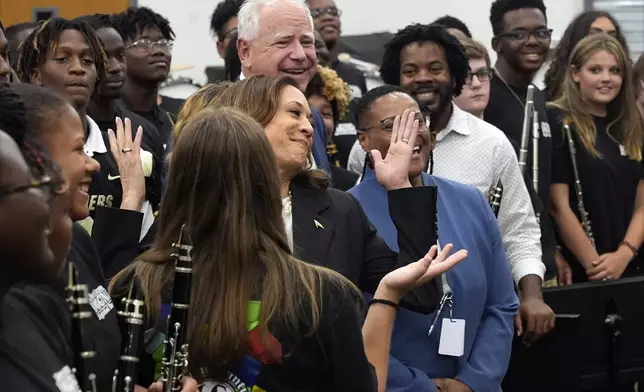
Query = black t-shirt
x=352 y=76
x=101 y=330
x=162 y=120
x=332 y=359
x=35 y=342
x=609 y=185
x=506 y=113
x=45 y=304
x=106 y=189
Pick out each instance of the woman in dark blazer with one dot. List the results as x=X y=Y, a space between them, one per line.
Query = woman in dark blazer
x=326 y=226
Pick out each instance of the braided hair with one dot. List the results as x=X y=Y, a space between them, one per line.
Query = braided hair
x=134 y=20
x=15 y=122
x=456 y=59
x=575 y=32
x=44 y=39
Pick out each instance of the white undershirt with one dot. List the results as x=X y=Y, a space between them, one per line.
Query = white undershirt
x=287 y=216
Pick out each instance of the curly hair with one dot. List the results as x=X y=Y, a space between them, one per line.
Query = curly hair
x=575 y=32
x=15 y=121
x=134 y=20
x=328 y=84
x=225 y=10
x=501 y=7
x=456 y=59
x=44 y=40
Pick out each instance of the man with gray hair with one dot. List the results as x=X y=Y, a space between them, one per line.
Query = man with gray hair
x=275 y=37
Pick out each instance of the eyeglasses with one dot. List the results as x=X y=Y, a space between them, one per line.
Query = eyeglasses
x=522 y=35
x=483 y=75
x=332 y=11
x=46 y=185
x=148 y=45
x=387 y=124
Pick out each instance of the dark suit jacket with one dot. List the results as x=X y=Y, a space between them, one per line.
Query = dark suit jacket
x=331 y=229
x=343 y=179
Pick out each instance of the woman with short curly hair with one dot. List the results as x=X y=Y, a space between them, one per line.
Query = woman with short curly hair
x=331 y=96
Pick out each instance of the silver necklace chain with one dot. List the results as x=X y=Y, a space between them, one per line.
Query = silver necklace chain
x=508 y=87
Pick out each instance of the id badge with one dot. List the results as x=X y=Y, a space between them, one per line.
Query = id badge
x=452 y=340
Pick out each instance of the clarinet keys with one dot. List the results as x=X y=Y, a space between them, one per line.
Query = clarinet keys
x=175 y=356
x=78 y=303
x=496 y=193
x=134 y=319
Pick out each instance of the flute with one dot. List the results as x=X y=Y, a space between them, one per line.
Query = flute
x=583 y=214
x=78 y=303
x=525 y=132
x=132 y=313
x=535 y=151
x=175 y=355
x=496 y=193
x=535 y=155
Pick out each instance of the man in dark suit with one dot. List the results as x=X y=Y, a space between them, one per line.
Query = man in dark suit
x=266 y=48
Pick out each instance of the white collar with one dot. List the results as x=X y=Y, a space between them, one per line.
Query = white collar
x=457 y=123
x=94 y=142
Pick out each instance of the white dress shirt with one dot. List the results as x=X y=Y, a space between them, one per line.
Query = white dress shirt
x=472 y=151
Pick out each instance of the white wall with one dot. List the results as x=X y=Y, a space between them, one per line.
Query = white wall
x=195 y=46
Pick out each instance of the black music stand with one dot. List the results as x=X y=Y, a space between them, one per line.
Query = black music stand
x=550 y=364
x=611 y=350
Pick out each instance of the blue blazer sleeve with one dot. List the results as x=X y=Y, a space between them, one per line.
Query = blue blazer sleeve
x=401 y=378
x=485 y=368
x=319 y=141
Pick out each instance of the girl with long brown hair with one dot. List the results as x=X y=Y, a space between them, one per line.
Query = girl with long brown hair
x=606 y=136
x=253 y=304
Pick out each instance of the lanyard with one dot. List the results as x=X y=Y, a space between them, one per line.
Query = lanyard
x=445 y=299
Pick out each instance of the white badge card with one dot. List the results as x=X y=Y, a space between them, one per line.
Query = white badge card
x=452 y=339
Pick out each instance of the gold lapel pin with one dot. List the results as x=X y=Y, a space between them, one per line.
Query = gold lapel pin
x=318 y=225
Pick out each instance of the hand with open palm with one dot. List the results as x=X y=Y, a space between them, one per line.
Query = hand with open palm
x=393 y=171
x=396 y=283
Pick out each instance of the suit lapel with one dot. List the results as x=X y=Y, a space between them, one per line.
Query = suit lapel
x=312 y=232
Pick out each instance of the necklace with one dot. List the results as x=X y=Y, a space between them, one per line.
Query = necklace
x=508 y=87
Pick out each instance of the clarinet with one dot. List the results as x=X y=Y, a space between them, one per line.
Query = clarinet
x=78 y=303
x=132 y=313
x=583 y=214
x=525 y=132
x=175 y=355
x=496 y=193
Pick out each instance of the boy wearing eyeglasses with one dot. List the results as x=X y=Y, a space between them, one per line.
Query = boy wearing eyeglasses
x=522 y=41
x=148 y=53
